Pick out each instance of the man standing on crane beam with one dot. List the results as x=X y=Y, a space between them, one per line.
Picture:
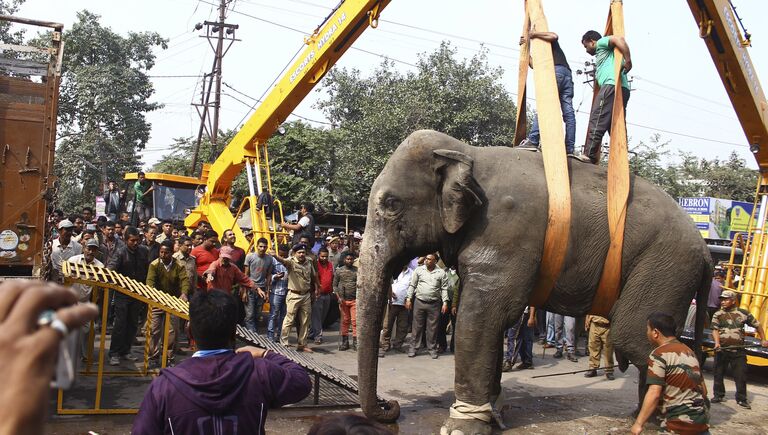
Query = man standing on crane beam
x=600 y=117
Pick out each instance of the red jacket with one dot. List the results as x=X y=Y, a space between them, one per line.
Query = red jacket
x=325 y=275
x=225 y=278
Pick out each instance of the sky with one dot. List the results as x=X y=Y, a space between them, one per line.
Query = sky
x=676 y=89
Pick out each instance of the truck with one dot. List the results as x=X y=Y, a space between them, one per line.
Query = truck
x=29 y=95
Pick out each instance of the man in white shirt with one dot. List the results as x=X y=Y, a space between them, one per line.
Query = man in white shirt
x=305 y=226
x=84 y=291
x=63 y=248
x=397 y=315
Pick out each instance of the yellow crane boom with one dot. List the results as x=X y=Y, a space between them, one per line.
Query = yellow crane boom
x=719 y=27
x=248 y=148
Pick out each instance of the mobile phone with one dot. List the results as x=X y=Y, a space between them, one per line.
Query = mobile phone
x=66 y=366
x=66 y=369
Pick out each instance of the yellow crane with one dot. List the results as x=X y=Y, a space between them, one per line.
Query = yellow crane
x=248 y=149
x=720 y=28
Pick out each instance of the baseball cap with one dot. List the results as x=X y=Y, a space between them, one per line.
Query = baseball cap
x=92 y=243
x=66 y=223
x=328 y=239
x=154 y=221
x=357 y=236
x=728 y=294
x=226 y=252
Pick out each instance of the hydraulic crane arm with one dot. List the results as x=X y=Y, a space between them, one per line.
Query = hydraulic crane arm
x=324 y=48
x=719 y=27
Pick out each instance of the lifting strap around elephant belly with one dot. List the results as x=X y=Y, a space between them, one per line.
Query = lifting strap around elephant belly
x=618 y=180
x=556 y=167
x=552 y=149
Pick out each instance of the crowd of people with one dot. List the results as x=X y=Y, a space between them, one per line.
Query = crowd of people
x=302 y=278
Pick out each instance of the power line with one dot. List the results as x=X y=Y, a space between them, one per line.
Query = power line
x=671 y=88
x=174 y=76
x=479 y=42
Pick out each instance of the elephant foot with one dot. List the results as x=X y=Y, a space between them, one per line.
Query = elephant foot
x=468 y=419
x=461 y=426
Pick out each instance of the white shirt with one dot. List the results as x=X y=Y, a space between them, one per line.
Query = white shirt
x=400 y=287
x=400 y=284
x=83 y=291
x=63 y=253
x=304 y=221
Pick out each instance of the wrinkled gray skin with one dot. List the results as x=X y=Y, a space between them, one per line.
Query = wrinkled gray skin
x=485 y=209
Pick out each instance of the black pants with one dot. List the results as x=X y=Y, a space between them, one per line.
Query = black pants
x=127 y=312
x=442 y=327
x=600 y=120
x=738 y=363
x=426 y=315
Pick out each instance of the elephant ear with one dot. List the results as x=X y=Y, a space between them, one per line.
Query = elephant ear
x=459 y=195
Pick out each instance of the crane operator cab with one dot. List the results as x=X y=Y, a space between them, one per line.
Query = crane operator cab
x=171 y=197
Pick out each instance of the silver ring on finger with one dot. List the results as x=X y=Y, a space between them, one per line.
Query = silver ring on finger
x=50 y=319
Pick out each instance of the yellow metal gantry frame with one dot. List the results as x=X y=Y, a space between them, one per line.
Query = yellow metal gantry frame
x=719 y=28
x=103 y=279
x=248 y=148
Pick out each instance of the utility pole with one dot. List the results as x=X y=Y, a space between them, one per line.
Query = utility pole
x=209 y=122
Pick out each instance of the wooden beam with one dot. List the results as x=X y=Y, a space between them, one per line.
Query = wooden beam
x=521 y=124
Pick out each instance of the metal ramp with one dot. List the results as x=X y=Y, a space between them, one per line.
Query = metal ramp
x=331 y=386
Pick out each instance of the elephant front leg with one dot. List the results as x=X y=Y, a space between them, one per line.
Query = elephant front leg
x=479 y=344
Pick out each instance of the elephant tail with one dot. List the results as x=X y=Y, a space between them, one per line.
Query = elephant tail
x=702 y=295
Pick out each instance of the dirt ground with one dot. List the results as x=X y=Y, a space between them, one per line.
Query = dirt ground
x=569 y=404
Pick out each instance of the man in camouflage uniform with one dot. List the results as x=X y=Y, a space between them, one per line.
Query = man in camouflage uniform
x=728 y=330
x=674 y=382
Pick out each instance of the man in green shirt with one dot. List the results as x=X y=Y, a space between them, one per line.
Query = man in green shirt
x=600 y=117
x=143 y=202
x=428 y=296
x=169 y=276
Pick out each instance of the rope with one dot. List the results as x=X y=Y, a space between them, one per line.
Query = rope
x=467 y=411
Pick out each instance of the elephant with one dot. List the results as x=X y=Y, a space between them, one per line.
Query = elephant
x=485 y=210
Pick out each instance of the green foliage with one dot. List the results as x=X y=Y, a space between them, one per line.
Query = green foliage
x=693 y=176
x=463 y=98
x=370 y=115
x=103 y=100
x=303 y=163
x=179 y=161
x=10 y=7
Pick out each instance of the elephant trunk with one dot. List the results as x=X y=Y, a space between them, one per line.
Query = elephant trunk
x=373 y=286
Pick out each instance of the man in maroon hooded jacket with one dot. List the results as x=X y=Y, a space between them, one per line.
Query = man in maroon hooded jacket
x=219 y=390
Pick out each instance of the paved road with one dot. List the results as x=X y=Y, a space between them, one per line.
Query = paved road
x=424 y=388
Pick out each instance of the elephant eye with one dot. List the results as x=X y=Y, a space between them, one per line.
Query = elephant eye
x=392 y=204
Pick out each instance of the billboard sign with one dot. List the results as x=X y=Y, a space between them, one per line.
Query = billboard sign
x=717 y=218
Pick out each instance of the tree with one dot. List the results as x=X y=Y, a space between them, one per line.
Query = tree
x=10 y=7
x=463 y=98
x=693 y=176
x=103 y=100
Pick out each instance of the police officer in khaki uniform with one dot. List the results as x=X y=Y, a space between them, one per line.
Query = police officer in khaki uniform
x=302 y=278
x=599 y=341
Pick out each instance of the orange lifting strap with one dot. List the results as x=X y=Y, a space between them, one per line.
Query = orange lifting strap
x=618 y=178
x=556 y=167
x=552 y=149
